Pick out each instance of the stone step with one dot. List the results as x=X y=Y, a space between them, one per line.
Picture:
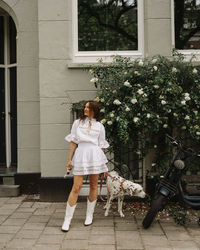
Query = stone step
x=8 y=172
x=8 y=180
x=9 y=190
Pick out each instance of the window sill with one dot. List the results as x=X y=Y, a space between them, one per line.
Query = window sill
x=188 y=55
x=85 y=60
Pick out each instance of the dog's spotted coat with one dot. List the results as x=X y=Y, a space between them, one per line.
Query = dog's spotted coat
x=118 y=187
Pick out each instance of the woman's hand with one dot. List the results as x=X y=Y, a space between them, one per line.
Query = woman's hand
x=69 y=165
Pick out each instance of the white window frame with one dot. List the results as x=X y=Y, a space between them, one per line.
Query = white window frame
x=93 y=56
x=188 y=53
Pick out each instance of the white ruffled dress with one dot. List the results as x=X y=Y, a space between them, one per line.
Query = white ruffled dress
x=88 y=157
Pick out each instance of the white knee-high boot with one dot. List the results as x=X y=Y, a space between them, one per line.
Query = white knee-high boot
x=89 y=212
x=68 y=216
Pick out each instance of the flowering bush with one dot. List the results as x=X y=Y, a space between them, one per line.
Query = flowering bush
x=143 y=100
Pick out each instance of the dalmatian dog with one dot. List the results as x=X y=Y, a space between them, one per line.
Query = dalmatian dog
x=117 y=187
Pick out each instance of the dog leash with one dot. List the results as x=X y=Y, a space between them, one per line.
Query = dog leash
x=107 y=174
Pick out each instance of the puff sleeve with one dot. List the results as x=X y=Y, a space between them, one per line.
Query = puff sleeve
x=102 y=138
x=73 y=135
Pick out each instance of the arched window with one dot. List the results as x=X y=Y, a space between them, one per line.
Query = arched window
x=8 y=91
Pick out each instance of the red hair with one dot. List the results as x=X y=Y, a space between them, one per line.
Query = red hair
x=93 y=106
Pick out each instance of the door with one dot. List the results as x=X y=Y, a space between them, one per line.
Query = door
x=8 y=92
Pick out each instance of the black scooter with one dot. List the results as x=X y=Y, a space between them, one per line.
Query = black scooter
x=171 y=183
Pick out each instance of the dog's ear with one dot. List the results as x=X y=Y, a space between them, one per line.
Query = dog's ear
x=132 y=190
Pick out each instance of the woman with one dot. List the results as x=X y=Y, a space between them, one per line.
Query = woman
x=89 y=159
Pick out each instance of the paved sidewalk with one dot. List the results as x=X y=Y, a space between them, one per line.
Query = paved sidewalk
x=36 y=225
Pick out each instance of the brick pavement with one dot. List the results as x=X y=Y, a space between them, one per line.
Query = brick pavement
x=36 y=225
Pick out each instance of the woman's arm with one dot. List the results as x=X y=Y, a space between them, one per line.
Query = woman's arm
x=73 y=146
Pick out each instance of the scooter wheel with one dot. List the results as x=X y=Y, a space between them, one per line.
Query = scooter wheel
x=157 y=204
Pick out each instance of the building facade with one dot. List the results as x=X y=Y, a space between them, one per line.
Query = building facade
x=42 y=73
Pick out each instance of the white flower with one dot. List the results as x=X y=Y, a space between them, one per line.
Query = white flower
x=175 y=114
x=187 y=98
x=155 y=68
x=112 y=115
x=117 y=118
x=133 y=101
x=127 y=84
x=125 y=73
x=138 y=152
x=102 y=110
x=154 y=60
x=155 y=146
x=161 y=97
x=91 y=71
x=153 y=164
x=156 y=86
x=195 y=112
x=187 y=117
x=196 y=127
x=140 y=63
x=148 y=115
x=103 y=121
x=127 y=109
x=157 y=116
x=194 y=71
x=117 y=102
x=140 y=91
x=114 y=91
x=174 y=70
x=135 y=119
x=136 y=72
x=198 y=133
x=109 y=122
x=97 y=99
x=102 y=100
x=169 y=111
x=145 y=95
x=183 y=102
x=183 y=127
x=163 y=102
x=165 y=126
x=95 y=79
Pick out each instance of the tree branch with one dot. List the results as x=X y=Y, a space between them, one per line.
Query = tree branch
x=112 y=27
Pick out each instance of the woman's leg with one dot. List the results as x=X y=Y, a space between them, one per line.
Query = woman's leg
x=73 y=196
x=71 y=203
x=93 y=187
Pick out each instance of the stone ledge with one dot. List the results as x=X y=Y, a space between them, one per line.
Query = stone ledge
x=9 y=190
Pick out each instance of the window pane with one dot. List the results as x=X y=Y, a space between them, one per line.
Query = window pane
x=1 y=40
x=2 y=119
x=13 y=111
x=12 y=39
x=107 y=25
x=187 y=24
